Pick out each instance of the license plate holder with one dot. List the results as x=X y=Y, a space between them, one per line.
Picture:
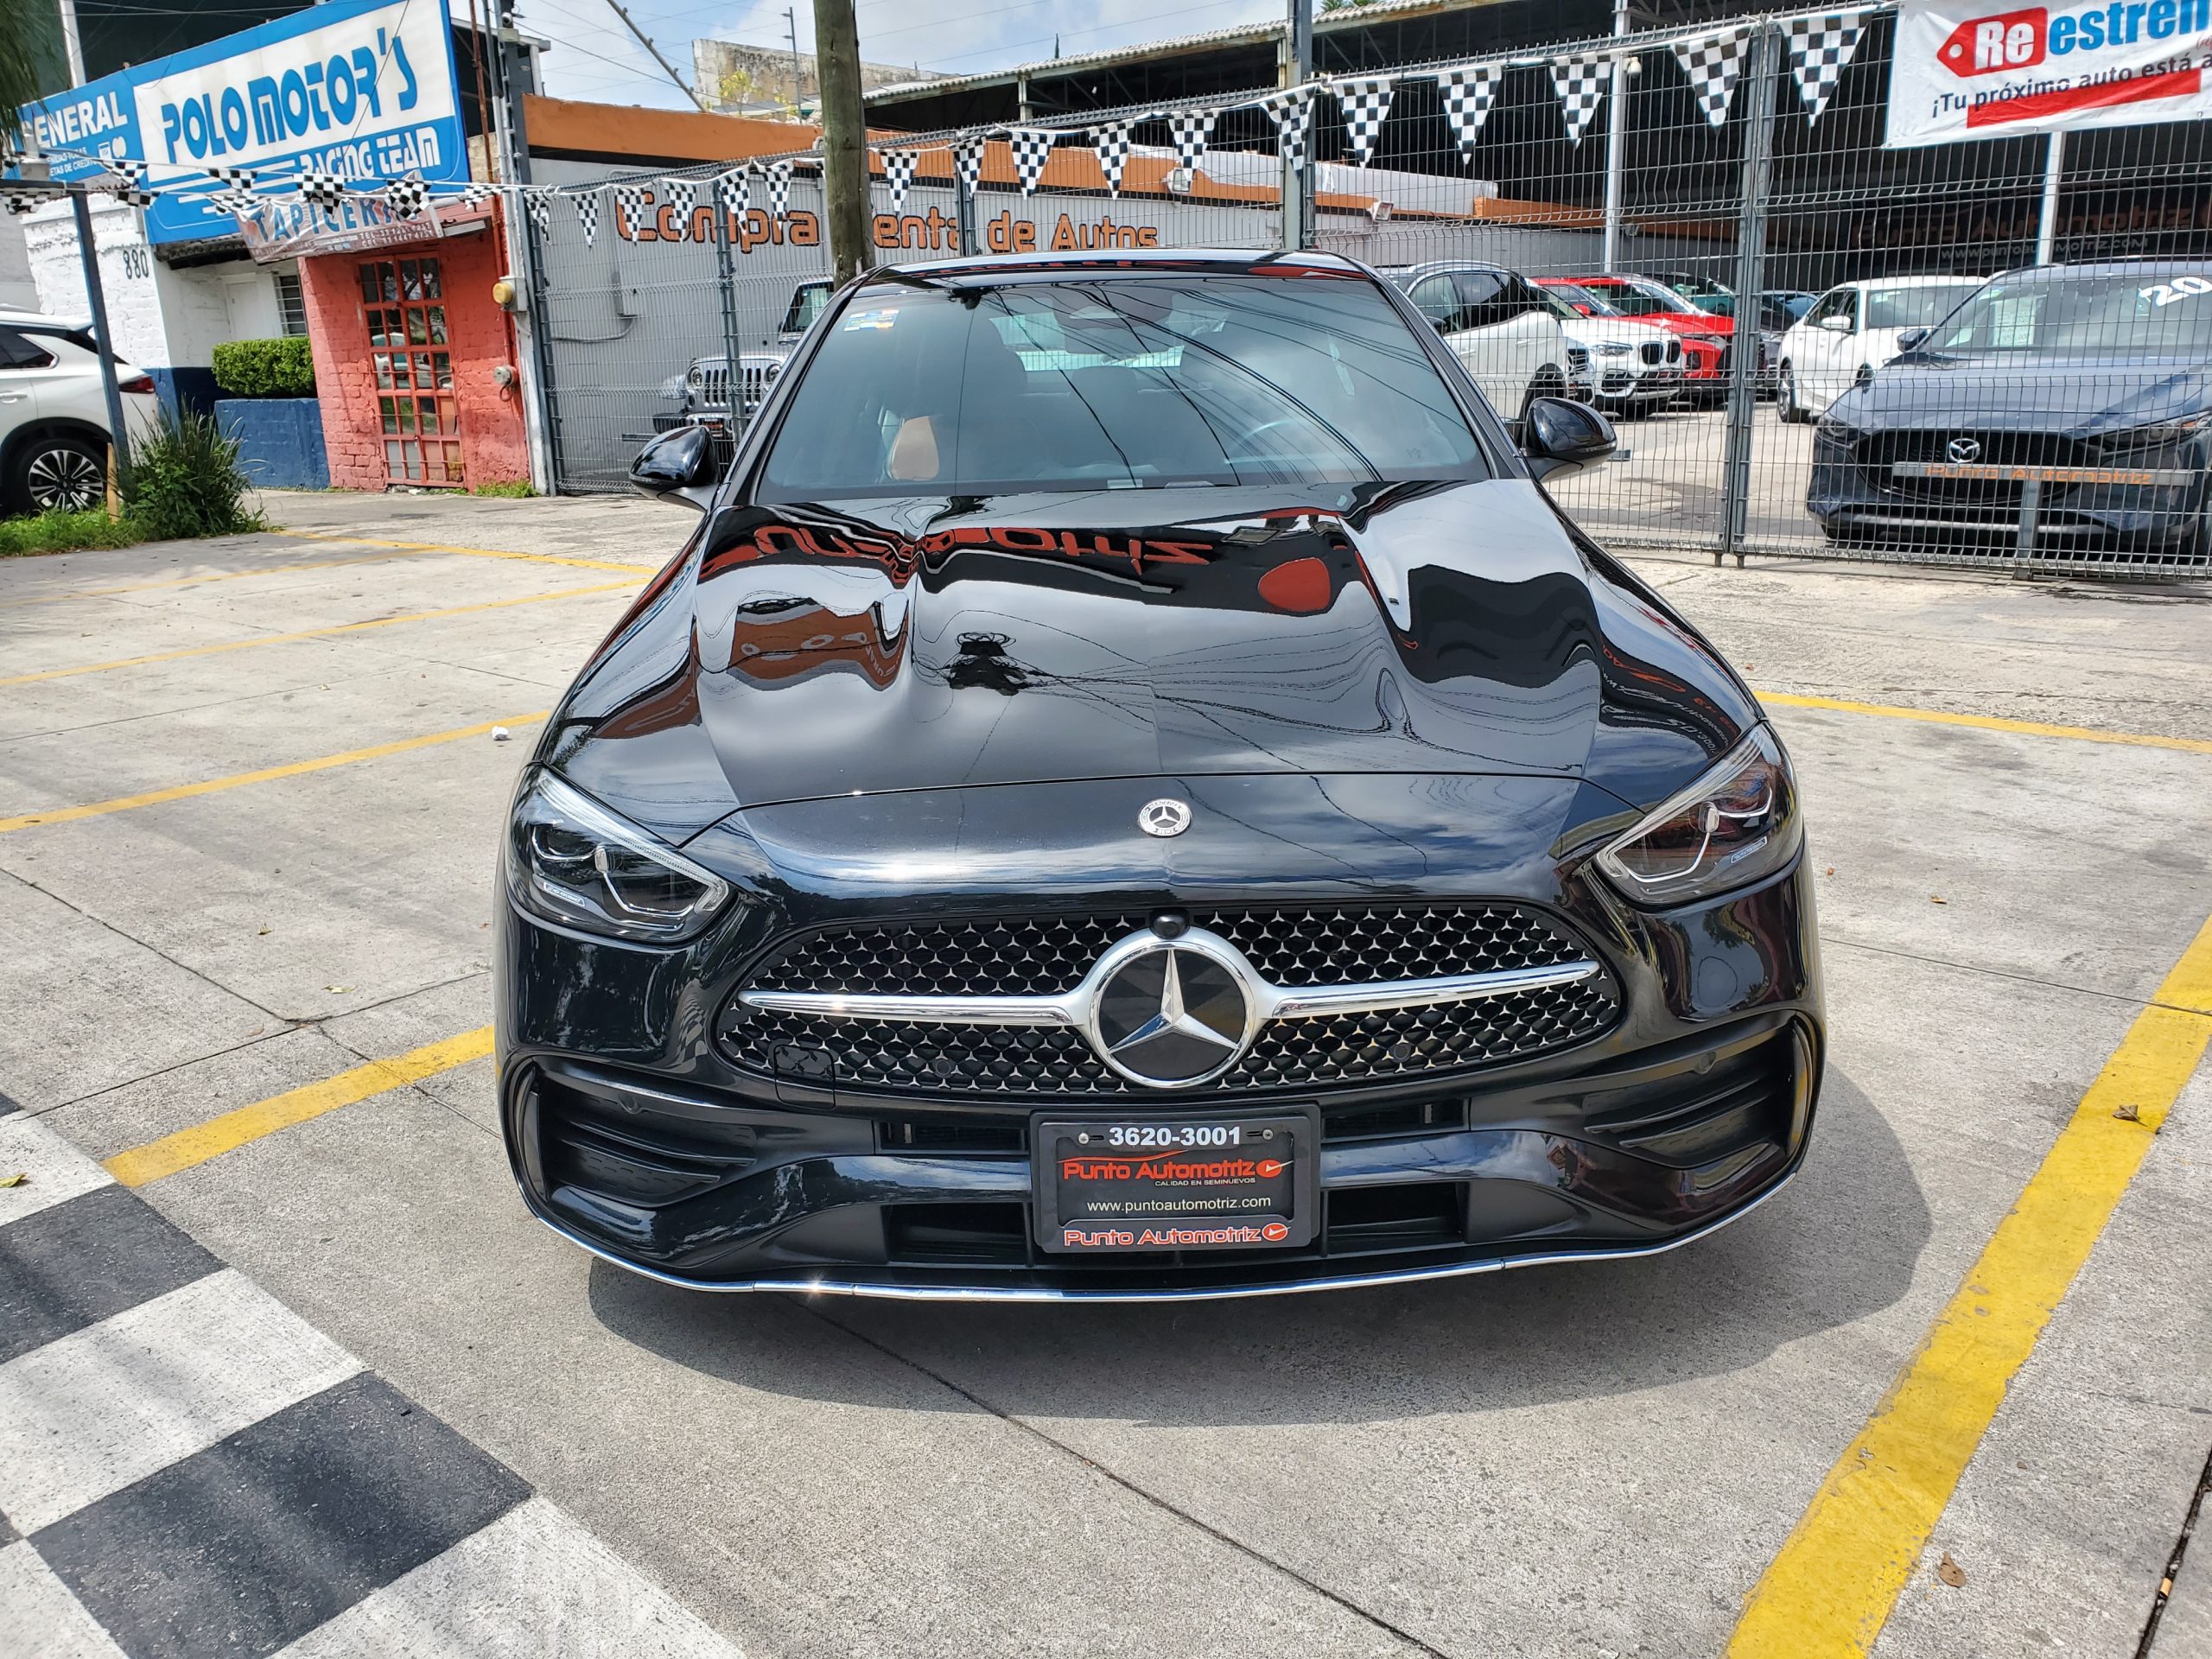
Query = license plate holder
x=1127 y=1184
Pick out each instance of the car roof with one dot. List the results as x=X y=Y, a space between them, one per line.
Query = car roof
x=38 y=322
x=1429 y=267
x=2148 y=263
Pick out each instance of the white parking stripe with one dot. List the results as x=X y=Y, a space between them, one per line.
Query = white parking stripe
x=89 y=1414
x=53 y=1170
x=39 y=1619
x=533 y=1585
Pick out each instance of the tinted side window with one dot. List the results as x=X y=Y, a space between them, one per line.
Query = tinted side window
x=1436 y=300
x=18 y=353
x=1480 y=292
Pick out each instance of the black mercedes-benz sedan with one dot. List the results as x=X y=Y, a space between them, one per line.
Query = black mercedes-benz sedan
x=1132 y=791
x=2066 y=408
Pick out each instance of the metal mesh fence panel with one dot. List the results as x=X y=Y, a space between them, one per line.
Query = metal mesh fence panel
x=1703 y=231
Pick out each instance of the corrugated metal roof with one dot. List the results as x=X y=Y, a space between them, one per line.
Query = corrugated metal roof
x=1346 y=17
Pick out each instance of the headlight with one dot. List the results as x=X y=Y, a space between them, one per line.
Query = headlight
x=571 y=861
x=1736 y=825
x=695 y=377
x=1614 y=349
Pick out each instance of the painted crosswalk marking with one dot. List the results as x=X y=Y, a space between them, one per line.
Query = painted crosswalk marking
x=188 y=1468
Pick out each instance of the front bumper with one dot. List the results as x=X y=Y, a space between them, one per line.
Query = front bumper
x=655 y=1156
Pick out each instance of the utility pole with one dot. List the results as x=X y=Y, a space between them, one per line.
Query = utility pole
x=89 y=257
x=844 y=135
x=70 y=44
x=1298 y=176
x=1615 y=141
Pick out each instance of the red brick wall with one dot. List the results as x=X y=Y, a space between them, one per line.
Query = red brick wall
x=494 y=448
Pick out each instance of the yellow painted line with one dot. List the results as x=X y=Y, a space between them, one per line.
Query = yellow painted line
x=266 y=774
x=216 y=575
x=1991 y=723
x=314 y=633
x=233 y=1129
x=1829 y=1591
x=640 y=570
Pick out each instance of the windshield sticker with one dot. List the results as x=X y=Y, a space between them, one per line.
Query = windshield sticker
x=2182 y=288
x=879 y=319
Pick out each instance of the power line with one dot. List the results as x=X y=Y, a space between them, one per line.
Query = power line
x=1126 y=22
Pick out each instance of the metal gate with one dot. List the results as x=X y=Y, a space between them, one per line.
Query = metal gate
x=1708 y=214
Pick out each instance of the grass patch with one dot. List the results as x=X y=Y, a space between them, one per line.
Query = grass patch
x=514 y=490
x=65 y=532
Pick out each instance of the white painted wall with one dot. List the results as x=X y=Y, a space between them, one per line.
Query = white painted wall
x=16 y=288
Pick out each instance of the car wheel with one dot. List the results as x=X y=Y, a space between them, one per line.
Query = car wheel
x=1786 y=394
x=59 y=471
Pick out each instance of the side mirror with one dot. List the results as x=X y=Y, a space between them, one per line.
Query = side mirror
x=1913 y=338
x=679 y=464
x=1559 y=436
x=1836 y=323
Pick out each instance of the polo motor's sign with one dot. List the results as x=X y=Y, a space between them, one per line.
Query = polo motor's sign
x=1965 y=72
x=363 y=89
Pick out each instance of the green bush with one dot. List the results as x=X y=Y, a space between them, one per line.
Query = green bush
x=511 y=490
x=265 y=368
x=65 y=532
x=184 y=480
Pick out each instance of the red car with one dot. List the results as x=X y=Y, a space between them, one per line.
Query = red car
x=1705 y=334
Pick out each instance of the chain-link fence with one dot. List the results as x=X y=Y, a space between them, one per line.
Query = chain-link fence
x=1795 y=326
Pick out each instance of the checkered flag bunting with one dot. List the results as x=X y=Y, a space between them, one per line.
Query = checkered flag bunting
x=1031 y=147
x=1467 y=92
x=968 y=164
x=22 y=202
x=1292 y=110
x=538 y=204
x=899 y=173
x=630 y=201
x=733 y=191
x=1190 y=129
x=1112 y=143
x=126 y=182
x=323 y=190
x=237 y=178
x=406 y=197
x=588 y=215
x=1714 y=65
x=779 y=174
x=682 y=195
x=1820 y=47
x=238 y=204
x=475 y=193
x=1580 y=84
x=1365 y=102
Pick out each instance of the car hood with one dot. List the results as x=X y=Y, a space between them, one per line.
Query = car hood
x=1425 y=629
x=1596 y=331
x=2076 y=396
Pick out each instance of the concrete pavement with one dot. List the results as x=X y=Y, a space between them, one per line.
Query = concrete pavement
x=1600 y=1460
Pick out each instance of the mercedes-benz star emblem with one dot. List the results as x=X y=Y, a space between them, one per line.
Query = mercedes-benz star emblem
x=1173 y=1015
x=1964 y=450
x=1164 y=817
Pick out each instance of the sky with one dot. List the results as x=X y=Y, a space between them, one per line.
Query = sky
x=595 y=58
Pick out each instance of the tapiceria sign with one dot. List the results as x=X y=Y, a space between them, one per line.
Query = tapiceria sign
x=1962 y=73
x=361 y=88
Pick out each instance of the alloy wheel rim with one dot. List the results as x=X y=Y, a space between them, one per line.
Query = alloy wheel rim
x=64 y=479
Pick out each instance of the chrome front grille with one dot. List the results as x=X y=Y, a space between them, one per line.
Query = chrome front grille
x=1323 y=951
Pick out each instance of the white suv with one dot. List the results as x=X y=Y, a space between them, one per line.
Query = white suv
x=54 y=414
x=1495 y=323
x=1852 y=330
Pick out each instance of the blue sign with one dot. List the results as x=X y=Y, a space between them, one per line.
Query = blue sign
x=365 y=89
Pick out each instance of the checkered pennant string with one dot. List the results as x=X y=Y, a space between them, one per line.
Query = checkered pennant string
x=126 y=182
x=238 y=204
x=588 y=215
x=1112 y=143
x=968 y=164
x=1712 y=65
x=1819 y=49
x=538 y=204
x=406 y=197
x=1190 y=129
x=475 y=193
x=734 y=190
x=323 y=190
x=779 y=174
x=239 y=178
x=21 y=202
x=898 y=173
x=629 y=200
x=1467 y=92
x=1031 y=147
x=1580 y=84
x=1365 y=102
x=1292 y=110
x=680 y=193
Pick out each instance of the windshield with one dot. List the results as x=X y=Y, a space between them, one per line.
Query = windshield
x=1912 y=308
x=1647 y=302
x=1564 y=297
x=808 y=301
x=2142 y=313
x=1120 y=383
